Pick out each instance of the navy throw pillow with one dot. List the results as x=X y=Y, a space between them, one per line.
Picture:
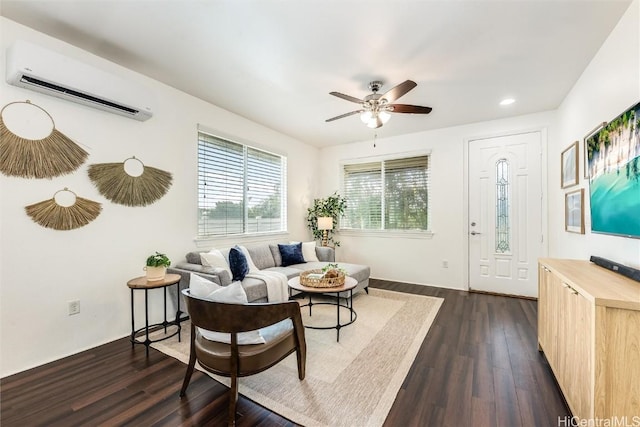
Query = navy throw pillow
x=238 y=263
x=291 y=254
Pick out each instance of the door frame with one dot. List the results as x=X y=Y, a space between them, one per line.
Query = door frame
x=544 y=206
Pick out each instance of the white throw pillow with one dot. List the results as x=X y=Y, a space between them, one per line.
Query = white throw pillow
x=232 y=294
x=201 y=287
x=215 y=259
x=309 y=251
x=252 y=266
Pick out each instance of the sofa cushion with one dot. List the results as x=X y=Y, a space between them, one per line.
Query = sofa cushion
x=247 y=255
x=275 y=252
x=193 y=258
x=291 y=254
x=238 y=263
x=261 y=256
x=325 y=253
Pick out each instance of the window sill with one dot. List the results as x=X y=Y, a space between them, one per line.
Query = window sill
x=392 y=234
x=223 y=241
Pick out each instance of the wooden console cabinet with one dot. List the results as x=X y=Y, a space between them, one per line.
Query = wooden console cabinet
x=589 y=331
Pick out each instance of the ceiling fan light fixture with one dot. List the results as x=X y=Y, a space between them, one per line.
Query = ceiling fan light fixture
x=372 y=124
x=384 y=116
x=366 y=117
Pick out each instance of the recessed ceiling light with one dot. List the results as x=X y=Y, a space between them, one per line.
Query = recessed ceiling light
x=507 y=101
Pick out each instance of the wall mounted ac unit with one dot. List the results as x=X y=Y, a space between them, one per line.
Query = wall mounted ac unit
x=33 y=67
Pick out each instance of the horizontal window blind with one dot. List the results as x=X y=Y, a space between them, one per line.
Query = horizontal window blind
x=406 y=193
x=240 y=189
x=264 y=191
x=363 y=191
x=387 y=195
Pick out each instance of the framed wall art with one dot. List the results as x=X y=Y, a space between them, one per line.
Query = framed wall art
x=613 y=160
x=574 y=211
x=569 y=166
x=589 y=147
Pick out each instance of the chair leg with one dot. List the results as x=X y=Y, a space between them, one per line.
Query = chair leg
x=233 y=398
x=192 y=363
x=187 y=376
x=302 y=362
x=234 y=370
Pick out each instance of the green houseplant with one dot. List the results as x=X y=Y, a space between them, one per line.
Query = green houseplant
x=332 y=206
x=156 y=267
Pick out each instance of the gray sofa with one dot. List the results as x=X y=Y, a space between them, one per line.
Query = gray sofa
x=265 y=257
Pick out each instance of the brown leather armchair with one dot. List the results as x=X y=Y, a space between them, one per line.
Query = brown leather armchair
x=233 y=360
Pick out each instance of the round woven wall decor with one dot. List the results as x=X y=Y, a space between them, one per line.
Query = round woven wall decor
x=48 y=157
x=50 y=214
x=114 y=183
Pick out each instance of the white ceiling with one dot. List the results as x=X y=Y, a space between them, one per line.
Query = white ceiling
x=275 y=61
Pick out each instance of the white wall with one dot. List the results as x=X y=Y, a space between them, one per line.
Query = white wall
x=419 y=260
x=42 y=269
x=608 y=86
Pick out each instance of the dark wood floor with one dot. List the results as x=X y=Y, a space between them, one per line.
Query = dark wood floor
x=478 y=366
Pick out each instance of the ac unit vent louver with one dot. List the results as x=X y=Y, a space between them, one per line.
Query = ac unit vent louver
x=41 y=70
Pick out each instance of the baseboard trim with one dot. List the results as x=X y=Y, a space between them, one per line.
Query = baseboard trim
x=497 y=294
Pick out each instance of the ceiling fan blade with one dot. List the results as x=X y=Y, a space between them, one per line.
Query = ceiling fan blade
x=344 y=115
x=412 y=109
x=396 y=92
x=347 y=97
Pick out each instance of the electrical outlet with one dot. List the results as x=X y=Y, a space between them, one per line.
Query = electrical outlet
x=445 y=263
x=74 y=307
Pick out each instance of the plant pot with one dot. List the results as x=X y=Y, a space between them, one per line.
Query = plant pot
x=155 y=273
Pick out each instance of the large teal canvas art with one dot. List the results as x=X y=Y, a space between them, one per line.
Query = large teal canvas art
x=613 y=168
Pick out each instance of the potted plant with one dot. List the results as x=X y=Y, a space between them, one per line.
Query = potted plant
x=156 y=267
x=332 y=206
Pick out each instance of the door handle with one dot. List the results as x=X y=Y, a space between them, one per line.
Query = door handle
x=473 y=233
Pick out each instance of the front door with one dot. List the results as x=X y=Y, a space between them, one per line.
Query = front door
x=505 y=214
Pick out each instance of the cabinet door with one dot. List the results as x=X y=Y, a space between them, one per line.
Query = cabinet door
x=576 y=350
x=619 y=377
x=565 y=337
x=547 y=317
x=583 y=379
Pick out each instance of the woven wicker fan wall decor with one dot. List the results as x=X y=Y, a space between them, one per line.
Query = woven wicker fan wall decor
x=114 y=183
x=48 y=157
x=51 y=214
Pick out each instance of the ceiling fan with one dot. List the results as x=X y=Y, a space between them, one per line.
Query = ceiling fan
x=375 y=108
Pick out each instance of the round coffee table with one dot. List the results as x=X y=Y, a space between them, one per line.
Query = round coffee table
x=349 y=284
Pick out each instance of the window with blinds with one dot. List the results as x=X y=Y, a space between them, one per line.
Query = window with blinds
x=241 y=190
x=387 y=195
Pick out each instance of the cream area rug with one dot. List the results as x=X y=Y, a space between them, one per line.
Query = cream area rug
x=353 y=382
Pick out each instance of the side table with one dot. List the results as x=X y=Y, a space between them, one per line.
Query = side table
x=141 y=283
